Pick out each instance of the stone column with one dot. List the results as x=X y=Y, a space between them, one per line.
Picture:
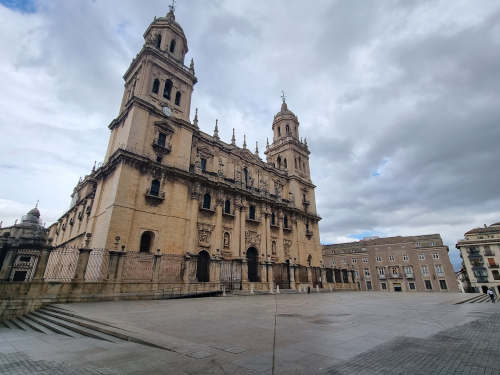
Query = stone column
x=280 y=251
x=263 y=272
x=243 y=222
x=155 y=277
x=323 y=277
x=7 y=265
x=81 y=266
x=113 y=264
x=187 y=269
x=309 y=275
x=270 y=280
x=291 y=269
x=193 y=225
x=118 y=276
x=244 y=274
x=235 y=240
x=218 y=245
x=42 y=265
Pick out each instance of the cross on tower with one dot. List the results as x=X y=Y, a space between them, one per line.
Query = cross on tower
x=283 y=95
x=172 y=7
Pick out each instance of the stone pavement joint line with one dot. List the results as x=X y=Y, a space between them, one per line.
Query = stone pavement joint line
x=473 y=348
x=19 y=363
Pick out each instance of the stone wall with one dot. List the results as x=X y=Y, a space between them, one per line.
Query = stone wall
x=78 y=275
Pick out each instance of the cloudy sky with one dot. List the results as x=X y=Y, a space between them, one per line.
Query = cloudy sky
x=399 y=100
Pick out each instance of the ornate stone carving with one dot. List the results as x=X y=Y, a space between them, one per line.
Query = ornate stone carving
x=287 y=244
x=204 y=234
x=252 y=239
x=227 y=240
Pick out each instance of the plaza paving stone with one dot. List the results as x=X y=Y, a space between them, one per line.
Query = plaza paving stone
x=327 y=333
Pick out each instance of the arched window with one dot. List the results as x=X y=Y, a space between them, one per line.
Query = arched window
x=279 y=162
x=285 y=221
x=178 y=98
x=227 y=206
x=295 y=163
x=273 y=218
x=285 y=163
x=155 y=188
x=287 y=129
x=146 y=242
x=251 y=213
x=172 y=46
x=245 y=173
x=162 y=139
x=309 y=260
x=273 y=247
x=167 y=89
x=158 y=41
x=203 y=267
x=156 y=86
x=279 y=131
x=206 y=201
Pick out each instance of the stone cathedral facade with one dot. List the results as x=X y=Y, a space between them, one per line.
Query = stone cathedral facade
x=166 y=187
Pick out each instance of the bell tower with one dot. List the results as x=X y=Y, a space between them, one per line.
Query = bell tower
x=287 y=151
x=158 y=74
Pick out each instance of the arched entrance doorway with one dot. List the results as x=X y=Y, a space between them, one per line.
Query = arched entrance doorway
x=252 y=258
x=484 y=288
x=203 y=267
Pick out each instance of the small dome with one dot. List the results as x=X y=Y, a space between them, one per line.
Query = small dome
x=34 y=212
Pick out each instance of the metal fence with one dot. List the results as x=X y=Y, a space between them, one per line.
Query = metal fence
x=61 y=265
x=97 y=267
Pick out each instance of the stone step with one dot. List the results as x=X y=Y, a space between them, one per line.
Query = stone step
x=51 y=327
x=74 y=326
x=32 y=325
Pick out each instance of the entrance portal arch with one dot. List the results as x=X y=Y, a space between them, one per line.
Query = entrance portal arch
x=203 y=267
x=252 y=258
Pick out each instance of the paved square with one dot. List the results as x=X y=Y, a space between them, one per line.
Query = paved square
x=335 y=333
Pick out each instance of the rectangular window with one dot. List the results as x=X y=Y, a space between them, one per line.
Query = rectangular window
x=421 y=256
x=439 y=269
x=354 y=260
x=419 y=244
x=162 y=138
x=381 y=271
x=442 y=284
x=391 y=258
x=379 y=259
x=383 y=286
x=405 y=257
x=365 y=260
x=369 y=285
x=435 y=256
x=428 y=284
x=412 y=286
x=203 y=164
x=425 y=270
x=409 y=270
x=367 y=272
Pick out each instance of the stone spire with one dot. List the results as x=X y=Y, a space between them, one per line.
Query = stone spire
x=216 y=130
x=257 y=148
x=195 y=121
x=233 y=139
x=191 y=66
x=267 y=142
x=244 y=141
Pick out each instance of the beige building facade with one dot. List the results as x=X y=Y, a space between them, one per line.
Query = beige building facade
x=480 y=252
x=396 y=264
x=166 y=187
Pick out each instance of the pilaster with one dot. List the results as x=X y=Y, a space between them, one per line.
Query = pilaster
x=81 y=266
x=41 y=265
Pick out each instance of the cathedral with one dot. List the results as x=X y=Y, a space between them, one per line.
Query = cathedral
x=167 y=188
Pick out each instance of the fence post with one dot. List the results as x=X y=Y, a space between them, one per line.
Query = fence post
x=7 y=264
x=81 y=266
x=42 y=265
x=291 y=272
x=270 y=276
